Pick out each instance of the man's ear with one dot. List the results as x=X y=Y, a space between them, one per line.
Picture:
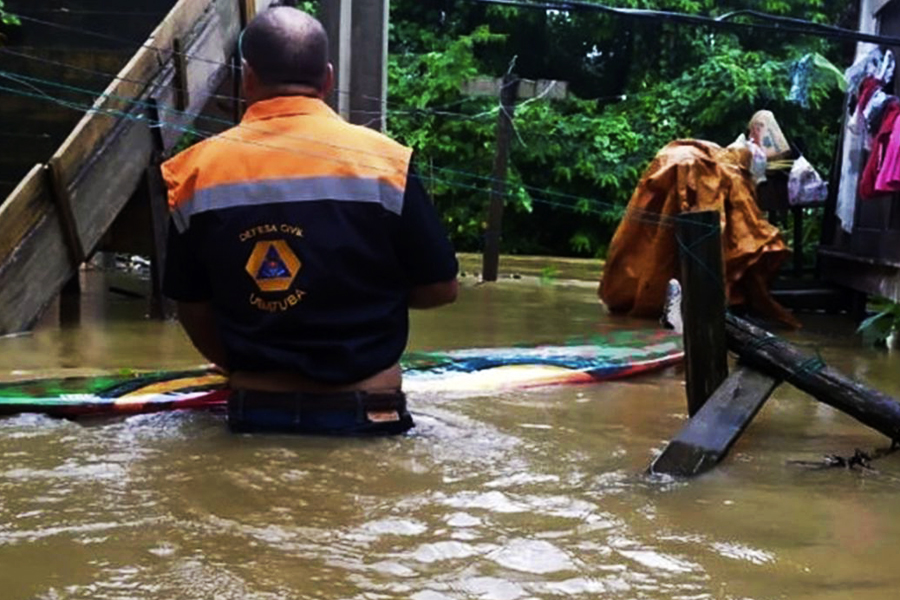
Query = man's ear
x=249 y=81
x=328 y=82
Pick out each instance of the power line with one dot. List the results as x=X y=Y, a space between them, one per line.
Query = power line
x=405 y=110
x=790 y=25
x=101 y=13
x=641 y=215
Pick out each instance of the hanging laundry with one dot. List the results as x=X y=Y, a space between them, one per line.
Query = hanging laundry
x=872 y=113
x=851 y=167
x=765 y=132
x=888 y=180
x=867 y=89
x=879 y=66
x=872 y=63
x=877 y=162
x=813 y=70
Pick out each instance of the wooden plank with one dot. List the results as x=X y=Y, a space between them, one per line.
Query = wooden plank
x=127 y=170
x=861 y=274
x=114 y=175
x=36 y=275
x=545 y=88
x=41 y=265
x=181 y=79
x=63 y=201
x=779 y=359
x=705 y=440
x=26 y=205
x=247 y=11
x=703 y=305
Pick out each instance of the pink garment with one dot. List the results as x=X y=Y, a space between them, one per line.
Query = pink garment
x=888 y=179
x=875 y=166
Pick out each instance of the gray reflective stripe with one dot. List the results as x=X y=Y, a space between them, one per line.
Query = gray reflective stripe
x=275 y=191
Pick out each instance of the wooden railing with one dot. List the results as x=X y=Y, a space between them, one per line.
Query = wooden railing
x=60 y=211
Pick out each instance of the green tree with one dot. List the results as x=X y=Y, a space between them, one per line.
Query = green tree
x=7 y=18
x=637 y=84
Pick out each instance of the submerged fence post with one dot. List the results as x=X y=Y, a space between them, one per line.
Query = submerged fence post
x=155 y=190
x=491 y=258
x=699 y=239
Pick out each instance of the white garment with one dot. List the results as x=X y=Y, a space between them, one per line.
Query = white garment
x=851 y=168
x=881 y=66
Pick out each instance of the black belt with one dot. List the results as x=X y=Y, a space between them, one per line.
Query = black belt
x=319 y=402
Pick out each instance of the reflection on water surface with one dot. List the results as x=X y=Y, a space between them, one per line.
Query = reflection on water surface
x=534 y=494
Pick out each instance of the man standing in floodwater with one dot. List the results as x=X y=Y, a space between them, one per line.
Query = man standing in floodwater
x=298 y=244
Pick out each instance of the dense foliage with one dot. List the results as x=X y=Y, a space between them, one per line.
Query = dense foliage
x=883 y=325
x=635 y=85
x=7 y=18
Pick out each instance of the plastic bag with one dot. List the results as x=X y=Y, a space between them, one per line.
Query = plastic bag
x=805 y=186
x=758 y=158
x=766 y=133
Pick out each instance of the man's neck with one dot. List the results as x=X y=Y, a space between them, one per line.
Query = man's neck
x=285 y=90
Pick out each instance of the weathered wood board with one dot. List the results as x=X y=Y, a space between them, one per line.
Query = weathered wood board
x=104 y=159
x=706 y=438
x=27 y=205
x=777 y=358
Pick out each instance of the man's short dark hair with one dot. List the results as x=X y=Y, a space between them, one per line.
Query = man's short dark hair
x=285 y=45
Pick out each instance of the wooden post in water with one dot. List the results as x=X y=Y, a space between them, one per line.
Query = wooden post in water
x=70 y=296
x=721 y=406
x=510 y=88
x=156 y=196
x=491 y=259
x=703 y=305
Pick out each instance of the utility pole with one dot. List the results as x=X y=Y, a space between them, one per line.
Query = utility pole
x=510 y=89
x=491 y=259
x=358 y=35
x=336 y=16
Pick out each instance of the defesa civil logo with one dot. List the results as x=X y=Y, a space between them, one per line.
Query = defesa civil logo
x=273 y=265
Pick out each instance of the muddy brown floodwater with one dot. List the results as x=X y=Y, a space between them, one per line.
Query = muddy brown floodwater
x=516 y=495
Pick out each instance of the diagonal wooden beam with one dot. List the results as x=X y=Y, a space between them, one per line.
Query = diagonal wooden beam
x=705 y=440
x=778 y=358
x=63 y=201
